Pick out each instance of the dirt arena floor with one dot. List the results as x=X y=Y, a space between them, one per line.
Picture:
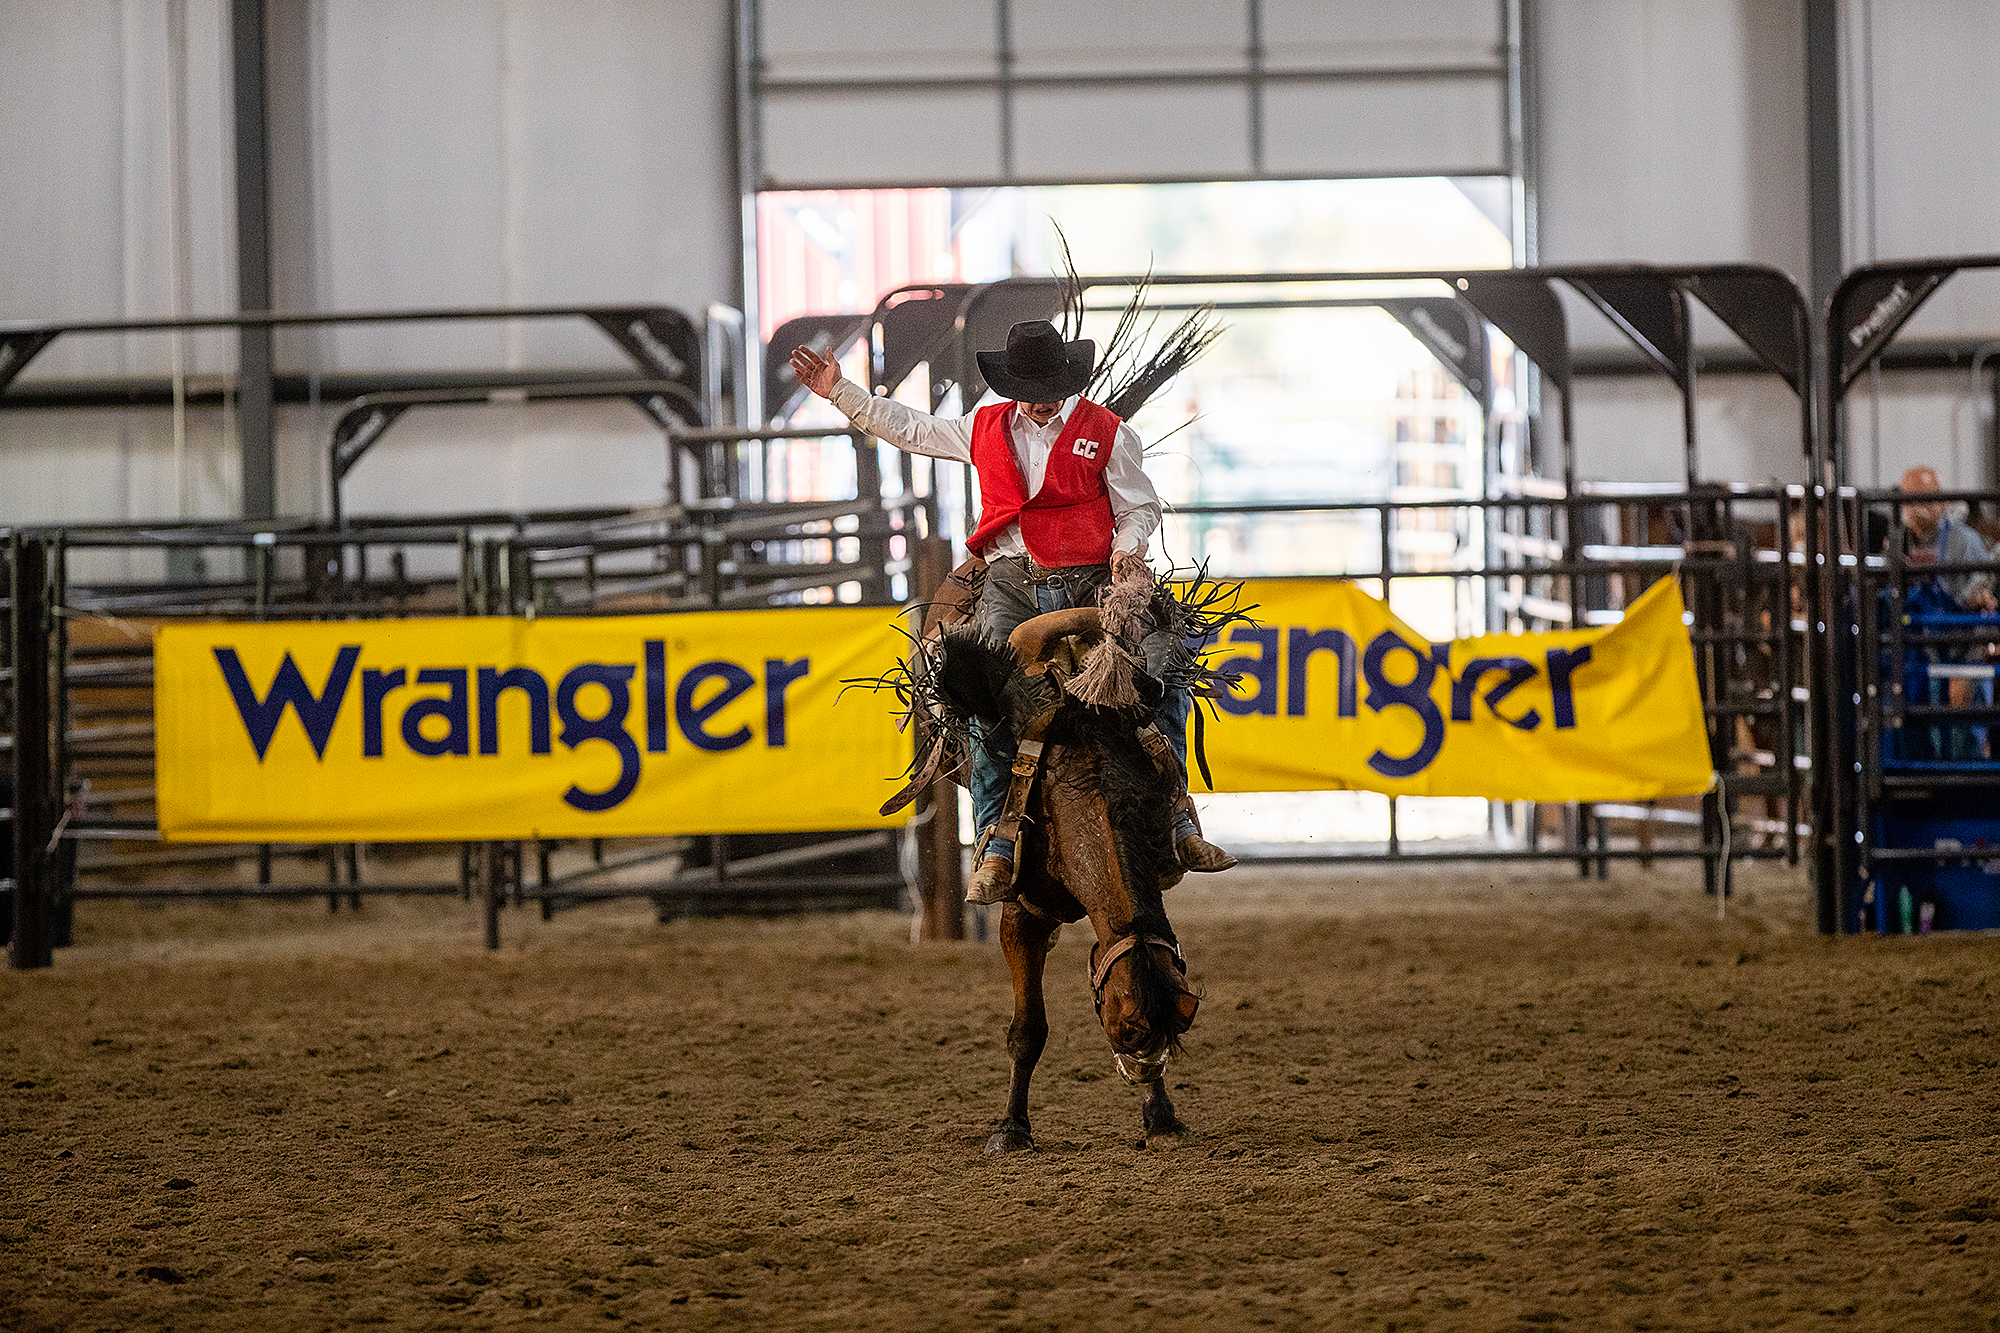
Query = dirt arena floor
x=1481 y=1099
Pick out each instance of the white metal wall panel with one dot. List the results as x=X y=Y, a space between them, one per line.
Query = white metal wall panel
x=1629 y=429
x=1673 y=132
x=877 y=39
x=915 y=137
x=416 y=203
x=541 y=152
x=85 y=209
x=471 y=458
x=425 y=153
x=106 y=465
x=1130 y=133
x=1921 y=418
x=1172 y=90
x=1363 y=127
x=1063 y=38
x=1936 y=121
x=1419 y=34
x=1935 y=189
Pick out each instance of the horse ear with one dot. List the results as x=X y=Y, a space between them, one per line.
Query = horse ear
x=1187 y=1002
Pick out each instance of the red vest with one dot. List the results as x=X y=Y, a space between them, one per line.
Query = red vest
x=1068 y=521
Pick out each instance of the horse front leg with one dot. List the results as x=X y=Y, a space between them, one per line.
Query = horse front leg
x=1156 y=1109
x=1025 y=941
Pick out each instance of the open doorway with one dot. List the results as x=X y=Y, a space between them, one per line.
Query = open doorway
x=1302 y=403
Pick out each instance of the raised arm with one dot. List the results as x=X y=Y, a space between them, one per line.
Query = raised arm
x=886 y=419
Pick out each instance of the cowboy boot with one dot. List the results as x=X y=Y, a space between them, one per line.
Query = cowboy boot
x=1196 y=853
x=1193 y=851
x=992 y=882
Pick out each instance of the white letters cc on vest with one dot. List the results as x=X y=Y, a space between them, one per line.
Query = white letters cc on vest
x=1085 y=448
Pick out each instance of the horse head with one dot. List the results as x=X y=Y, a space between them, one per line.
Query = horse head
x=1144 y=1002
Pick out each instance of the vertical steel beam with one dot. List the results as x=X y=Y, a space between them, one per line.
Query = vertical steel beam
x=1003 y=26
x=492 y=887
x=33 y=808
x=255 y=437
x=1833 y=861
x=1254 y=14
x=940 y=871
x=1822 y=123
x=1522 y=119
x=749 y=180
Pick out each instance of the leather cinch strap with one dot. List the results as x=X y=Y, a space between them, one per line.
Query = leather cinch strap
x=1027 y=762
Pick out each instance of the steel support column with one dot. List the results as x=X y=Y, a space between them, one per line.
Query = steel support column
x=253 y=258
x=33 y=807
x=1831 y=776
x=749 y=180
x=1822 y=123
x=940 y=871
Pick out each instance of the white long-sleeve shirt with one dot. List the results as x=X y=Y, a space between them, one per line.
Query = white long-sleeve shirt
x=1135 y=505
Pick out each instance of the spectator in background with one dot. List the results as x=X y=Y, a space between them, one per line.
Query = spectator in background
x=1935 y=536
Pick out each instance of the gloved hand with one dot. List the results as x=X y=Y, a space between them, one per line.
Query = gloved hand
x=1129 y=565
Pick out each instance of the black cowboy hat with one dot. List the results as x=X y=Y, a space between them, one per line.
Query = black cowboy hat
x=1038 y=366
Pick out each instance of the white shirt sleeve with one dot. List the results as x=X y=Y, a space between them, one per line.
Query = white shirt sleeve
x=912 y=431
x=1135 y=505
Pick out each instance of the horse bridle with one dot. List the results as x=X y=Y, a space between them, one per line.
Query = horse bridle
x=1124 y=944
x=1135 y=1068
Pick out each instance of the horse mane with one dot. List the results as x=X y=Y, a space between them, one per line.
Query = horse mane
x=973 y=672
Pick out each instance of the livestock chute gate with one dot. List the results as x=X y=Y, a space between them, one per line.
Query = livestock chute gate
x=1908 y=811
x=732 y=532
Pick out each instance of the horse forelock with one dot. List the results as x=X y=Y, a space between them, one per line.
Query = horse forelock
x=1157 y=984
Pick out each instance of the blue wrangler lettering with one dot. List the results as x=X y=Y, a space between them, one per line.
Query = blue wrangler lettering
x=693 y=718
x=289 y=690
x=1519 y=672
x=1300 y=645
x=457 y=737
x=610 y=728
x=1415 y=695
x=1564 y=663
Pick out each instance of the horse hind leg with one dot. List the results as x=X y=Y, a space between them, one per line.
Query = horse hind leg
x=1025 y=939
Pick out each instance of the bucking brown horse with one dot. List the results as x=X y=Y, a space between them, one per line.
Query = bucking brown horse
x=1097 y=842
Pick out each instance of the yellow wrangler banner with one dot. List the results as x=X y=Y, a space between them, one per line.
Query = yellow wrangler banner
x=1339 y=693
x=410 y=730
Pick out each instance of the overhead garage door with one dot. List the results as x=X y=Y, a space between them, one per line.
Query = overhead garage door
x=976 y=92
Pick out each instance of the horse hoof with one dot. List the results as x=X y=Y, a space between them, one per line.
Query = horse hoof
x=1172 y=1128
x=1005 y=1141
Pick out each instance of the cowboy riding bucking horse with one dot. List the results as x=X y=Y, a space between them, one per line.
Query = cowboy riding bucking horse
x=1066 y=511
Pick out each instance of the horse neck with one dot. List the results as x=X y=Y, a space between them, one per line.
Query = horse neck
x=1081 y=836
